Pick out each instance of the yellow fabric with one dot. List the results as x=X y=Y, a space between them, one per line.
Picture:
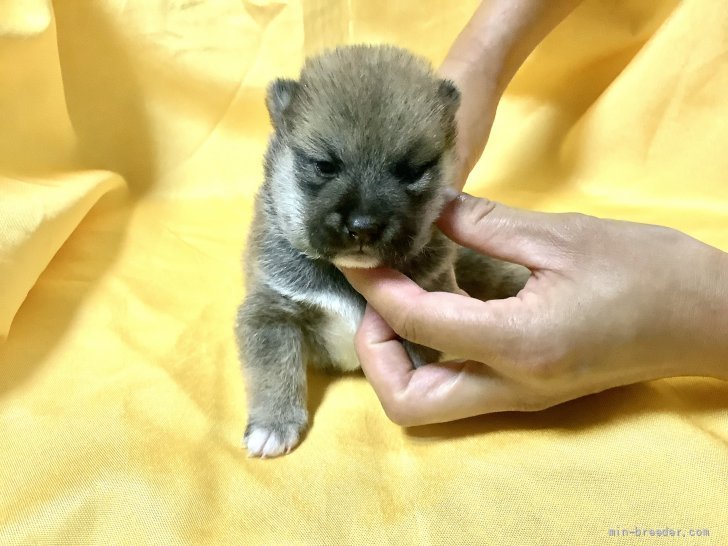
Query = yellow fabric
x=131 y=139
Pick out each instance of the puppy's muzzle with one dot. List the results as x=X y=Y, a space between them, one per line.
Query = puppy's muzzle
x=364 y=229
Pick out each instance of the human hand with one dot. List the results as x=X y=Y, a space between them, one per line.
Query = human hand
x=484 y=58
x=608 y=303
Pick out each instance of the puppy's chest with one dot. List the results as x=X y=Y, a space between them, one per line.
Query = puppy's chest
x=335 y=331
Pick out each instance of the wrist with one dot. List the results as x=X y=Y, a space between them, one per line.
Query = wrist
x=500 y=36
x=485 y=57
x=700 y=317
x=480 y=78
x=714 y=324
x=477 y=60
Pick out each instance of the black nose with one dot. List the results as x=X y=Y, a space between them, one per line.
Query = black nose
x=363 y=228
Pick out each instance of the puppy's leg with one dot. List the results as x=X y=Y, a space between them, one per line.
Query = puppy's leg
x=419 y=354
x=486 y=278
x=273 y=360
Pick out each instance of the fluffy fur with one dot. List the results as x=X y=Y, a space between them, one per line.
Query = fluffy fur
x=362 y=149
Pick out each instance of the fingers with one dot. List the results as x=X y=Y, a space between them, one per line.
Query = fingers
x=430 y=394
x=383 y=358
x=452 y=323
x=519 y=236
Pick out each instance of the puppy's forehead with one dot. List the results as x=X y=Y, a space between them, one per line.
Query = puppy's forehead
x=377 y=100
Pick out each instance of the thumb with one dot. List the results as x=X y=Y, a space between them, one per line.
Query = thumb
x=514 y=235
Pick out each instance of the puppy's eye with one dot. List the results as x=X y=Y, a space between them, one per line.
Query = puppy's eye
x=327 y=169
x=409 y=173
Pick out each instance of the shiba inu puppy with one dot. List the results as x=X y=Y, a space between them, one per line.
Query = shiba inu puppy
x=363 y=147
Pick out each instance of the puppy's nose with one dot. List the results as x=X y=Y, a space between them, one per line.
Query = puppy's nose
x=363 y=228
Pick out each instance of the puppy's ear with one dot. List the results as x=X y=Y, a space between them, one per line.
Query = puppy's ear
x=279 y=96
x=450 y=97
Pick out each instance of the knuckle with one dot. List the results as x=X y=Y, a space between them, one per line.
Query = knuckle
x=544 y=370
x=580 y=221
x=404 y=323
x=542 y=366
x=575 y=228
x=667 y=235
x=477 y=210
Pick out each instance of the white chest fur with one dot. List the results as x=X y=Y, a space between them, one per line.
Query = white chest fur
x=342 y=320
x=342 y=316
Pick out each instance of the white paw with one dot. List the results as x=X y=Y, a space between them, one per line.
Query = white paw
x=264 y=442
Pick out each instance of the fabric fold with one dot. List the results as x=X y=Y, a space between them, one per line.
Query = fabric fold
x=36 y=218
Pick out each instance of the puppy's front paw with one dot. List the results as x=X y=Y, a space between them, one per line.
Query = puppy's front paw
x=272 y=439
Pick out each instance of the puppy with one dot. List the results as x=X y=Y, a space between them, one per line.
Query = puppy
x=363 y=147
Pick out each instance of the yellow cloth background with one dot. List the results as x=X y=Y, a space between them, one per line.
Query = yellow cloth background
x=131 y=141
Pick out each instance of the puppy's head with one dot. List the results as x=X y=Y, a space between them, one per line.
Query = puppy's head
x=364 y=147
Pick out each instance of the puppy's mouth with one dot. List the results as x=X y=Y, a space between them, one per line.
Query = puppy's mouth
x=361 y=258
